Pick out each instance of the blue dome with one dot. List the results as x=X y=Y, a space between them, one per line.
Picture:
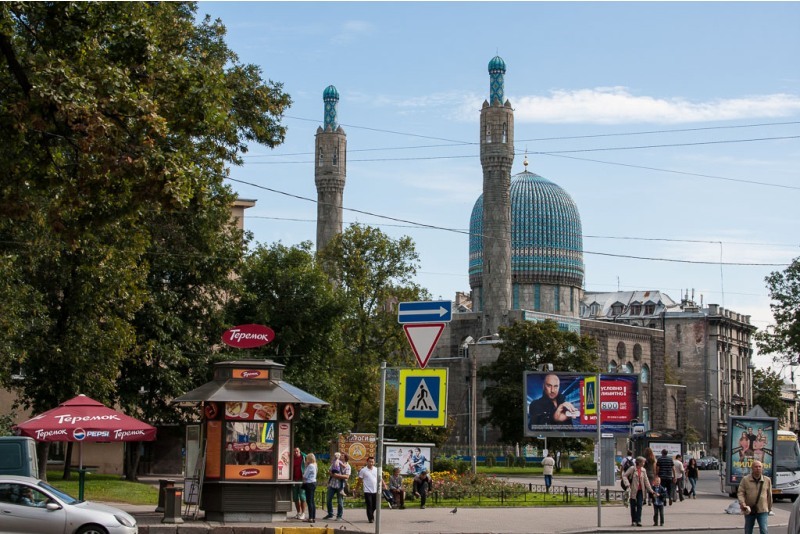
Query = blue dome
x=496 y=64
x=546 y=235
x=330 y=93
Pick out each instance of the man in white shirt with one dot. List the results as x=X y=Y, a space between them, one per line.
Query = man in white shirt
x=369 y=482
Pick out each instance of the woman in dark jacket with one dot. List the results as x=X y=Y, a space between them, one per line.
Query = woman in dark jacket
x=691 y=473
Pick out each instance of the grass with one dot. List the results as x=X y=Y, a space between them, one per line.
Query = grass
x=107 y=488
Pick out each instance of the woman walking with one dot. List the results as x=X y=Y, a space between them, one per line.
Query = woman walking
x=650 y=468
x=310 y=486
x=635 y=478
x=691 y=473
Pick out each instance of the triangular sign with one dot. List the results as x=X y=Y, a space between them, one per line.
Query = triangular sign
x=423 y=338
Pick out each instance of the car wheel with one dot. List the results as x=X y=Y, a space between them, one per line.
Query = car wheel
x=91 y=529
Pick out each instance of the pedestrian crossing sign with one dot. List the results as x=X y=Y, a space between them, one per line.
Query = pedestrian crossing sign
x=422 y=399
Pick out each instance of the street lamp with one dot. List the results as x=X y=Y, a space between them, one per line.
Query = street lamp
x=493 y=339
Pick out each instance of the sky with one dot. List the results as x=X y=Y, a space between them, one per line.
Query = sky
x=675 y=127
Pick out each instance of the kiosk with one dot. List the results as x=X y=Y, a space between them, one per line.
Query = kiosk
x=248 y=418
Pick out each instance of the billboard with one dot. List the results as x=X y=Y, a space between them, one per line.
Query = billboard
x=566 y=404
x=750 y=439
x=411 y=458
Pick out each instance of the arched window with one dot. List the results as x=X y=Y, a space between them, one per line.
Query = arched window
x=645 y=374
x=321 y=157
x=488 y=134
x=335 y=159
x=627 y=368
x=505 y=132
x=612 y=366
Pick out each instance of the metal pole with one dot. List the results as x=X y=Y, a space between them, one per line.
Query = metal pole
x=599 y=448
x=379 y=453
x=473 y=424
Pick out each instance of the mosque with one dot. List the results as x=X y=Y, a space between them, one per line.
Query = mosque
x=526 y=264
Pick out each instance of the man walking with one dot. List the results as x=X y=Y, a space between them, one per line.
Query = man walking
x=369 y=476
x=335 y=483
x=665 y=467
x=755 y=498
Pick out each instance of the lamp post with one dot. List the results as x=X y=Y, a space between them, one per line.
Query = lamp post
x=493 y=339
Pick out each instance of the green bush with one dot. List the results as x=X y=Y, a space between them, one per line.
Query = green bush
x=584 y=465
x=521 y=461
x=489 y=462
x=510 y=460
x=451 y=463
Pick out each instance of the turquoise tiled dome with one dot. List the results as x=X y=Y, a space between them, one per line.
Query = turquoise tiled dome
x=546 y=235
x=330 y=93
x=497 y=64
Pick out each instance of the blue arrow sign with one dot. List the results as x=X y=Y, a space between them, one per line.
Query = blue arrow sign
x=436 y=311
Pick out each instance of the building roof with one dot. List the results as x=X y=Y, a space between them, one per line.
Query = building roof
x=627 y=304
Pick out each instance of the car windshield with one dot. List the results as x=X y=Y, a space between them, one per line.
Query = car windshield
x=58 y=493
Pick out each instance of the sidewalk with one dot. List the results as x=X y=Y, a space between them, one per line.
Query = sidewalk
x=707 y=512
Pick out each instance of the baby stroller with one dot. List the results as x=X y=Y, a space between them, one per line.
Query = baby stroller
x=389 y=498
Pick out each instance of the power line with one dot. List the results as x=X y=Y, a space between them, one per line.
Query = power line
x=459 y=231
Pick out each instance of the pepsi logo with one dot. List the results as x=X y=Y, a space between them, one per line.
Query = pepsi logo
x=248 y=472
x=79 y=434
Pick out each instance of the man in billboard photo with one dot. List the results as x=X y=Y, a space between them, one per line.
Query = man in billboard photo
x=551 y=408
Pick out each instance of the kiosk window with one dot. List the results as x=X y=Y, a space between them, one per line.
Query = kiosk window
x=249 y=443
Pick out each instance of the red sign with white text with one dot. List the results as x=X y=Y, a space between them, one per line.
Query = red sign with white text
x=248 y=336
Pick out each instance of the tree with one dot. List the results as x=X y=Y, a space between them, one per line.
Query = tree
x=117 y=123
x=525 y=346
x=767 y=393
x=285 y=288
x=783 y=338
x=373 y=272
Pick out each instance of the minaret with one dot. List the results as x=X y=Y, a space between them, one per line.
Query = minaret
x=330 y=171
x=497 y=156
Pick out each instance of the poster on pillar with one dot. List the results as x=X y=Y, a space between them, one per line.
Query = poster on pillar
x=567 y=404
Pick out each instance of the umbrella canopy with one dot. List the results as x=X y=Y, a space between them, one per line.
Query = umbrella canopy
x=83 y=419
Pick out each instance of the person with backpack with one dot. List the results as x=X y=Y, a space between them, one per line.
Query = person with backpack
x=626 y=464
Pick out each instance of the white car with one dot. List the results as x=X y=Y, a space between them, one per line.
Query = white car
x=31 y=506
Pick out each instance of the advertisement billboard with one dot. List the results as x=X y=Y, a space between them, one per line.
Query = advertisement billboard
x=566 y=404
x=751 y=438
x=411 y=458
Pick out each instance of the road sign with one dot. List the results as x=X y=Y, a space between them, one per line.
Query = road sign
x=423 y=338
x=638 y=429
x=435 y=311
x=422 y=399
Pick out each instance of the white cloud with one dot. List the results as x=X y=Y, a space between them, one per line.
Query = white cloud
x=616 y=105
x=352 y=30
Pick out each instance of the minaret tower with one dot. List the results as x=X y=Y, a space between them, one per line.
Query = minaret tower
x=497 y=156
x=330 y=171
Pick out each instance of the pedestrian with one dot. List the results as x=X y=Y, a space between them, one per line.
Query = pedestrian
x=650 y=467
x=636 y=479
x=336 y=483
x=659 y=501
x=626 y=464
x=547 y=470
x=369 y=476
x=397 y=489
x=310 y=486
x=679 y=482
x=665 y=469
x=298 y=493
x=422 y=486
x=692 y=472
x=755 y=498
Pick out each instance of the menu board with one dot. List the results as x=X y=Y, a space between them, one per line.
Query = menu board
x=213 y=449
x=284 y=452
x=251 y=411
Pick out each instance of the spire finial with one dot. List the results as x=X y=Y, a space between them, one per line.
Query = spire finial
x=525 y=161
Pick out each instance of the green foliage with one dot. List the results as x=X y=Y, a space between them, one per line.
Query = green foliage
x=117 y=122
x=490 y=461
x=526 y=345
x=6 y=422
x=520 y=462
x=583 y=465
x=451 y=463
x=783 y=338
x=510 y=460
x=767 y=393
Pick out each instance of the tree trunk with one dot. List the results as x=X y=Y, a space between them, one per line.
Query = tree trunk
x=42 y=450
x=132 y=460
x=68 y=461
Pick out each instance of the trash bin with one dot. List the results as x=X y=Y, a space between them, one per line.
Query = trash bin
x=163 y=484
x=173 y=498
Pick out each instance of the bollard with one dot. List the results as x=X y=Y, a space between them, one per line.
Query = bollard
x=163 y=484
x=172 y=505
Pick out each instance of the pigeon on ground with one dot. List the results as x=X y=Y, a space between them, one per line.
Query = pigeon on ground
x=454 y=510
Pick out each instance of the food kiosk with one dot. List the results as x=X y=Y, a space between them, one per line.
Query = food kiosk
x=248 y=418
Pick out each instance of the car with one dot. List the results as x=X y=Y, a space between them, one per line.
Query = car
x=708 y=462
x=31 y=506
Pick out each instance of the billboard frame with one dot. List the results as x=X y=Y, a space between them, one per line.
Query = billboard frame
x=619 y=402
x=738 y=461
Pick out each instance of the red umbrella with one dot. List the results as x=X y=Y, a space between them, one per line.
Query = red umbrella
x=84 y=419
